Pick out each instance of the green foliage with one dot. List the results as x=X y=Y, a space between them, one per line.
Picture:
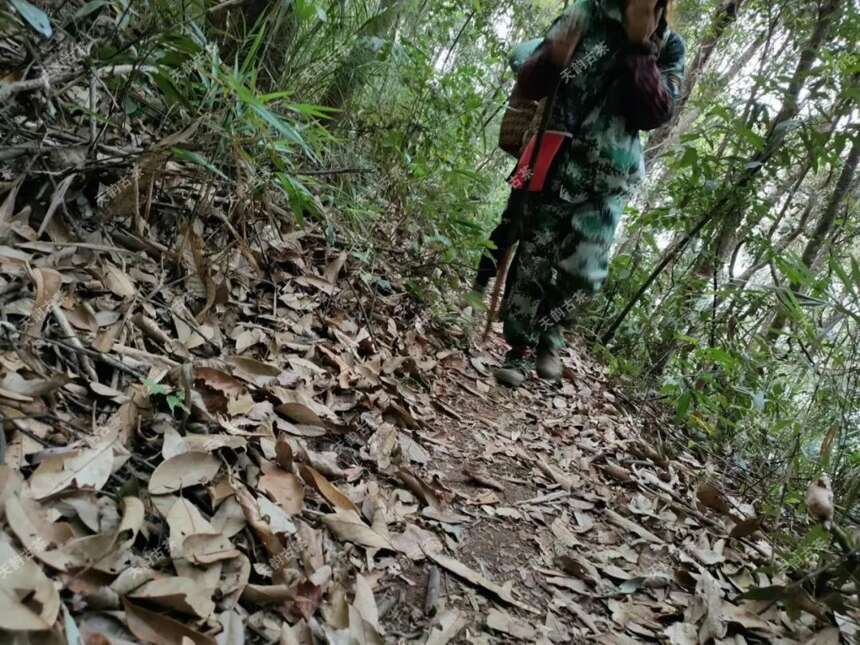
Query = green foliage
x=174 y=400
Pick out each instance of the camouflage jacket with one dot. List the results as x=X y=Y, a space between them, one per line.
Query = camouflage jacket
x=623 y=88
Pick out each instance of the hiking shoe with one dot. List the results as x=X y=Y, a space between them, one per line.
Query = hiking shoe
x=515 y=370
x=549 y=365
x=510 y=376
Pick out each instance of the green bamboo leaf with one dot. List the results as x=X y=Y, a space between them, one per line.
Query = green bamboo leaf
x=198 y=159
x=855 y=273
x=34 y=16
x=90 y=7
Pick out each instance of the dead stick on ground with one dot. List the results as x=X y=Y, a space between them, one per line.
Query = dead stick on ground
x=98 y=356
x=434 y=585
x=73 y=339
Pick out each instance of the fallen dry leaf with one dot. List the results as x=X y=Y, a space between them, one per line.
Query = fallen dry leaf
x=503 y=622
x=347 y=525
x=152 y=627
x=473 y=577
x=328 y=490
x=284 y=488
x=446 y=626
x=28 y=600
x=182 y=471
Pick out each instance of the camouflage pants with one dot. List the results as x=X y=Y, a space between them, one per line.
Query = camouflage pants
x=563 y=258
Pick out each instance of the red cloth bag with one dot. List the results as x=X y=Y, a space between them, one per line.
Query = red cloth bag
x=549 y=149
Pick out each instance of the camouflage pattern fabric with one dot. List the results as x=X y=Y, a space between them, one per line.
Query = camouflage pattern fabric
x=568 y=230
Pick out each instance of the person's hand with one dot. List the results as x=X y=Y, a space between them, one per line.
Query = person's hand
x=641 y=19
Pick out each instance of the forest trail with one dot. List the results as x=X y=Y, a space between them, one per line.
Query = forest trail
x=309 y=456
x=575 y=502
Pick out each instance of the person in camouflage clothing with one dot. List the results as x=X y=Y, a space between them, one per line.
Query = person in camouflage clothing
x=624 y=75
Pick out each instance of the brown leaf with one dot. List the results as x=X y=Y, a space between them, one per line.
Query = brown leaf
x=228 y=385
x=284 y=454
x=485 y=480
x=182 y=471
x=710 y=496
x=258 y=524
x=567 y=483
x=446 y=626
x=41 y=538
x=364 y=601
x=28 y=599
x=418 y=488
x=328 y=490
x=108 y=551
x=414 y=542
x=473 y=577
x=561 y=530
x=275 y=517
x=682 y=634
x=253 y=371
x=348 y=526
x=7 y=208
x=303 y=600
x=502 y=621
x=333 y=269
x=435 y=508
x=117 y=281
x=285 y=489
x=88 y=467
x=48 y=283
x=578 y=567
x=709 y=604
x=181 y=594
x=746 y=528
x=152 y=627
x=618 y=473
x=633 y=527
x=301 y=414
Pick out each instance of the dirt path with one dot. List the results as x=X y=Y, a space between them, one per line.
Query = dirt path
x=578 y=505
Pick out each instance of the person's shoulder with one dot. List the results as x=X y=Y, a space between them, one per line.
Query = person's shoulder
x=576 y=17
x=580 y=10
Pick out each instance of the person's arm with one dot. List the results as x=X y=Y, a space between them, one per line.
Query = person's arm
x=652 y=83
x=543 y=69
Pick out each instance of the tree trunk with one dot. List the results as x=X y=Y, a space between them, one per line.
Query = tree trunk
x=823 y=229
x=722 y=243
x=729 y=209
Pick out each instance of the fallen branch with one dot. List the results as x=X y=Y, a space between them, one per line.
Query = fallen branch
x=98 y=356
x=335 y=171
x=75 y=342
x=10 y=89
x=45 y=82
